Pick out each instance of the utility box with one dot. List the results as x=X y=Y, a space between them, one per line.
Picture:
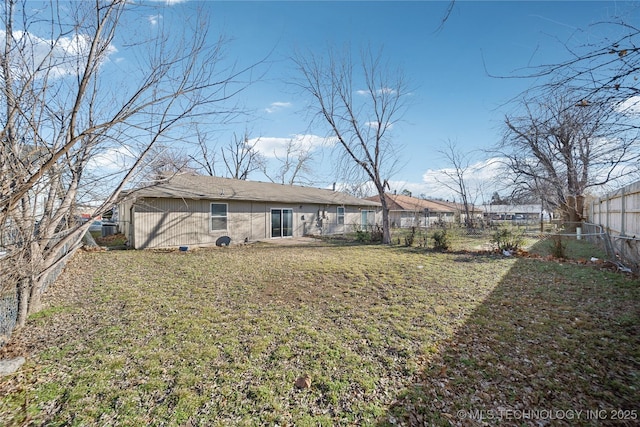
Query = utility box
x=109 y=229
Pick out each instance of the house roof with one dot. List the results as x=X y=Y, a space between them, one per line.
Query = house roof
x=188 y=186
x=399 y=202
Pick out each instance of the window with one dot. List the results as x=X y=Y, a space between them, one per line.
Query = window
x=340 y=215
x=367 y=218
x=218 y=217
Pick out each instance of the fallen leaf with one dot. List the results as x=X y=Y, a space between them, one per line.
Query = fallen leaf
x=303 y=382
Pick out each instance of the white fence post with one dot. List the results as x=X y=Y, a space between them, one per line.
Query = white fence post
x=623 y=213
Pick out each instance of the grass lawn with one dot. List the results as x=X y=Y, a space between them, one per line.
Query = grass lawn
x=113 y=240
x=388 y=335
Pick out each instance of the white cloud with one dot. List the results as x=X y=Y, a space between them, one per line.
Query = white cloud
x=374 y=125
x=275 y=146
x=154 y=19
x=113 y=159
x=384 y=90
x=170 y=2
x=277 y=106
x=630 y=106
x=483 y=173
x=480 y=179
x=60 y=58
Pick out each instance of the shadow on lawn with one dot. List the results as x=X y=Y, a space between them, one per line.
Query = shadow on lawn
x=554 y=344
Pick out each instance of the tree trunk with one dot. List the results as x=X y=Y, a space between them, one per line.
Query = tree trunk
x=468 y=220
x=24 y=292
x=386 y=232
x=35 y=296
x=573 y=209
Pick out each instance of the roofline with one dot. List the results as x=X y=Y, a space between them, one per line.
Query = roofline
x=178 y=190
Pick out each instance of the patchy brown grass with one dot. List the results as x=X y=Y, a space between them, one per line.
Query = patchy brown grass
x=544 y=348
x=387 y=336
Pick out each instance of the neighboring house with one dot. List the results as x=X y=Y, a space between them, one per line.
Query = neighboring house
x=85 y=211
x=524 y=213
x=192 y=210
x=407 y=211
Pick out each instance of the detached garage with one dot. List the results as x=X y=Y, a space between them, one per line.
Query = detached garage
x=194 y=210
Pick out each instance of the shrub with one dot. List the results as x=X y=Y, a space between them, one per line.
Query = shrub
x=363 y=236
x=408 y=240
x=376 y=234
x=507 y=239
x=558 y=247
x=441 y=240
x=369 y=234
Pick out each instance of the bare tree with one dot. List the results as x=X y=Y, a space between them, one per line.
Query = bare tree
x=594 y=99
x=456 y=179
x=61 y=116
x=294 y=166
x=360 y=105
x=357 y=189
x=558 y=147
x=605 y=69
x=162 y=162
x=206 y=159
x=240 y=157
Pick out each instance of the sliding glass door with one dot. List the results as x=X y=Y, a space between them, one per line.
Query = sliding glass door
x=281 y=222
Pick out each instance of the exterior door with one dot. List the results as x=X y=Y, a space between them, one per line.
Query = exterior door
x=367 y=218
x=281 y=222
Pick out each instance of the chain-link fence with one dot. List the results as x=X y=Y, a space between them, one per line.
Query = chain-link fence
x=622 y=251
x=8 y=313
x=452 y=236
x=9 y=299
x=627 y=250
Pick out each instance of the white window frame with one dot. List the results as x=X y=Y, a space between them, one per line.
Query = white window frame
x=340 y=216
x=225 y=216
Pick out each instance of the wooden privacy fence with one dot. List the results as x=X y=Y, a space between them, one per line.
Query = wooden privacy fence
x=619 y=214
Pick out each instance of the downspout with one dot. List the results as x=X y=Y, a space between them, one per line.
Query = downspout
x=131 y=234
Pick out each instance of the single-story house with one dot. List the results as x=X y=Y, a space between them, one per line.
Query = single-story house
x=406 y=211
x=194 y=210
x=518 y=213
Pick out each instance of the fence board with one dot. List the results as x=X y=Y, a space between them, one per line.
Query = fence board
x=619 y=213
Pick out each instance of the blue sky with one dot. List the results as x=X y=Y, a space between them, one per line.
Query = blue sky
x=454 y=98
